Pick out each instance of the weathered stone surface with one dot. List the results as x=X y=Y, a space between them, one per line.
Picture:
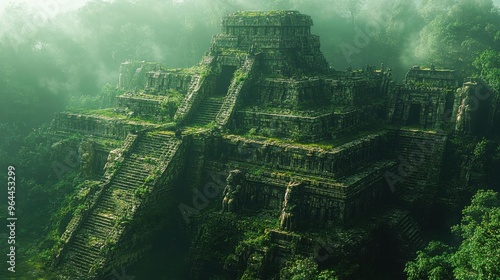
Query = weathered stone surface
x=425 y=100
x=265 y=120
x=284 y=38
x=475 y=109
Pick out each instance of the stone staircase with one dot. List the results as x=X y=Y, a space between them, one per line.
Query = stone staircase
x=234 y=92
x=410 y=232
x=407 y=231
x=207 y=110
x=282 y=242
x=419 y=154
x=88 y=249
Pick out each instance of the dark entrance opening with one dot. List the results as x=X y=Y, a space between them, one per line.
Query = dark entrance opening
x=224 y=79
x=414 y=114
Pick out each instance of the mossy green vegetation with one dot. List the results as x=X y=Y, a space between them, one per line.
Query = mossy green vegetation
x=240 y=75
x=270 y=13
x=224 y=237
x=108 y=113
x=478 y=254
x=234 y=52
x=305 y=268
x=48 y=246
x=105 y=98
x=171 y=103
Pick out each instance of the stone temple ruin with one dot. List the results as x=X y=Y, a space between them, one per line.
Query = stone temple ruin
x=314 y=144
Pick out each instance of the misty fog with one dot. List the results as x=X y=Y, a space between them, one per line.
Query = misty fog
x=60 y=50
x=55 y=54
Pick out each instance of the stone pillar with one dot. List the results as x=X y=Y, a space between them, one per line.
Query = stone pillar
x=233 y=192
x=87 y=155
x=290 y=213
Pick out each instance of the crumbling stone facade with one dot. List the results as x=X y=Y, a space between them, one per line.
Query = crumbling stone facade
x=425 y=100
x=476 y=108
x=293 y=136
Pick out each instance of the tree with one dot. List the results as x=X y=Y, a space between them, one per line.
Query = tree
x=488 y=66
x=456 y=36
x=305 y=269
x=433 y=263
x=478 y=255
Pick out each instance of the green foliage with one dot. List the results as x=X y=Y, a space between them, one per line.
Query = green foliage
x=218 y=235
x=240 y=75
x=304 y=269
x=297 y=135
x=454 y=37
x=478 y=255
x=252 y=131
x=488 y=65
x=261 y=13
x=171 y=103
x=481 y=149
x=141 y=191
x=433 y=263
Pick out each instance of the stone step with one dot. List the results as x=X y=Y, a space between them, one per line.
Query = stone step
x=96 y=228
x=108 y=202
x=112 y=199
x=411 y=232
x=207 y=111
x=123 y=176
x=125 y=181
x=131 y=170
x=405 y=227
x=92 y=220
x=132 y=174
x=153 y=152
x=80 y=247
x=85 y=263
x=104 y=219
x=129 y=177
x=152 y=142
x=126 y=187
x=102 y=207
x=134 y=160
x=84 y=251
x=79 y=266
x=206 y=114
x=155 y=143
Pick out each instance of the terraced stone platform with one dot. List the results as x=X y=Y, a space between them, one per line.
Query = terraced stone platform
x=88 y=249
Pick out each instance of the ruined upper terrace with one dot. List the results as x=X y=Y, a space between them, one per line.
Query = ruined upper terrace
x=269 y=23
x=282 y=38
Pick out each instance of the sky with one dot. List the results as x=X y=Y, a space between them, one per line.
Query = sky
x=55 y=5
x=65 y=5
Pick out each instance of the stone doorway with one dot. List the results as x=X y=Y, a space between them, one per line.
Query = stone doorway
x=414 y=114
x=224 y=80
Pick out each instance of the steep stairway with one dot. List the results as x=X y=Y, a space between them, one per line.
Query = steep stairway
x=410 y=232
x=407 y=230
x=207 y=110
x=235 y=91
x=88 y=248
x=419 y=154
